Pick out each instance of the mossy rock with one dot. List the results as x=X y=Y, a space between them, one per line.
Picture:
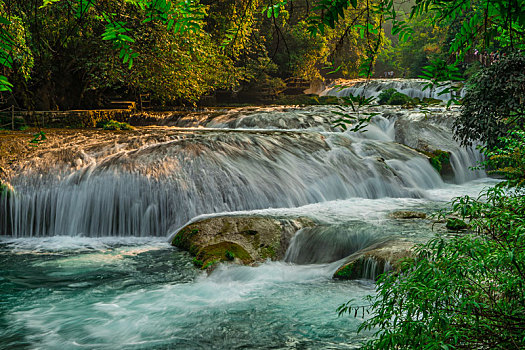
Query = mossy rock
x=454 y=224
x=407 y=214
x=224 y=251
x=393 y=97
x=239 y=239
x=375 y=260
x=399 y=99
x=113 y=125
x=440 y=160
x=358 y=269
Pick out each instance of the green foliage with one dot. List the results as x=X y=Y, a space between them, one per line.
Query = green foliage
x=5 y=190
x=440 y=75
x=508 y=158
x=393 y=97
x=385 y=96
x=398 y=98
x=345 y=273
x=229 y=255
x=438 y=158
x=455 y=224
x=38 y=138
x=494 y=102
x=463 y=292
x=407 y=58
x=497 y=24
x=197 y=263
x=114 y=125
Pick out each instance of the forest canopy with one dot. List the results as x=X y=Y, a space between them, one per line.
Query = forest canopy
x=61 y=54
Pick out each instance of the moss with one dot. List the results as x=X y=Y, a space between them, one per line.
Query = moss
x=268 y=252
x=393 y=97
x=113 y=125
x=197 y=262
x=209 y=264
x=438 y=159
x=5 y=190
x=224 y=251
x=399 y=99
x=345 y=273
x=229 y=255
x=183 y=239
x=456 y=224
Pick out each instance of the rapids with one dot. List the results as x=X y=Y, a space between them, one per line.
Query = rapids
x=84 y=261
x=414 y=88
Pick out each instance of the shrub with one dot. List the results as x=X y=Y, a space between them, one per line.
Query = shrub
x=463 y=292
x=508 y=159
x=114 y=125
x=399 y=99
x=393 y=97
x=456 y=224
x=494 y=102
x=385 y=96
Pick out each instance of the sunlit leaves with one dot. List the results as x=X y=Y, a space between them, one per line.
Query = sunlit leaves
x=327 y=13
x=273 y=10
x=38 y=138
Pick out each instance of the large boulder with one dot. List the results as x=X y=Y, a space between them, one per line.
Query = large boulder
x=373 y=261
x=241 y=239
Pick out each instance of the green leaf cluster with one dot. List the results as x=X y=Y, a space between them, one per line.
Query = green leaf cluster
x=462 y=292
x=494 y=103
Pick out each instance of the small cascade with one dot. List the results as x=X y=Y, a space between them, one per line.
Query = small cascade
x=331 y=244
x=372 y=88
x=465 y=162
x=326 y=244
x=373 y=268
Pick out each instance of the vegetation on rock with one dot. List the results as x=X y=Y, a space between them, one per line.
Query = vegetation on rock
x=114 y=125
x=455 y=224
x=243 y=239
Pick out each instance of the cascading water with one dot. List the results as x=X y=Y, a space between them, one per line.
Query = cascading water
x=154 y=189
x=65 y=284
x=414 y=88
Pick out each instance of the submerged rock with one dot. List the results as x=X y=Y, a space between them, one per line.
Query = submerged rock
x=375 y=260
x=241 y=239
x=406 y=214
x=455 y=224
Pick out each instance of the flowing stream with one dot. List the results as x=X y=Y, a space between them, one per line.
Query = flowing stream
x=84 y=257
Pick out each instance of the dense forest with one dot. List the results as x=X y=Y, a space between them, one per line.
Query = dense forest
x=82 y=54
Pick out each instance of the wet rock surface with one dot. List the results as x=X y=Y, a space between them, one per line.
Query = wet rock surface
x=375 y=260
x=241 y=239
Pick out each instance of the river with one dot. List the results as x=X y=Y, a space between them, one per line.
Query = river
x=84 y=257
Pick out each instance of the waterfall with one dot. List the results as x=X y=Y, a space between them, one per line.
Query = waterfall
x=154 y=189
x=154 y=180
x=372 y=88
x=326 y=244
